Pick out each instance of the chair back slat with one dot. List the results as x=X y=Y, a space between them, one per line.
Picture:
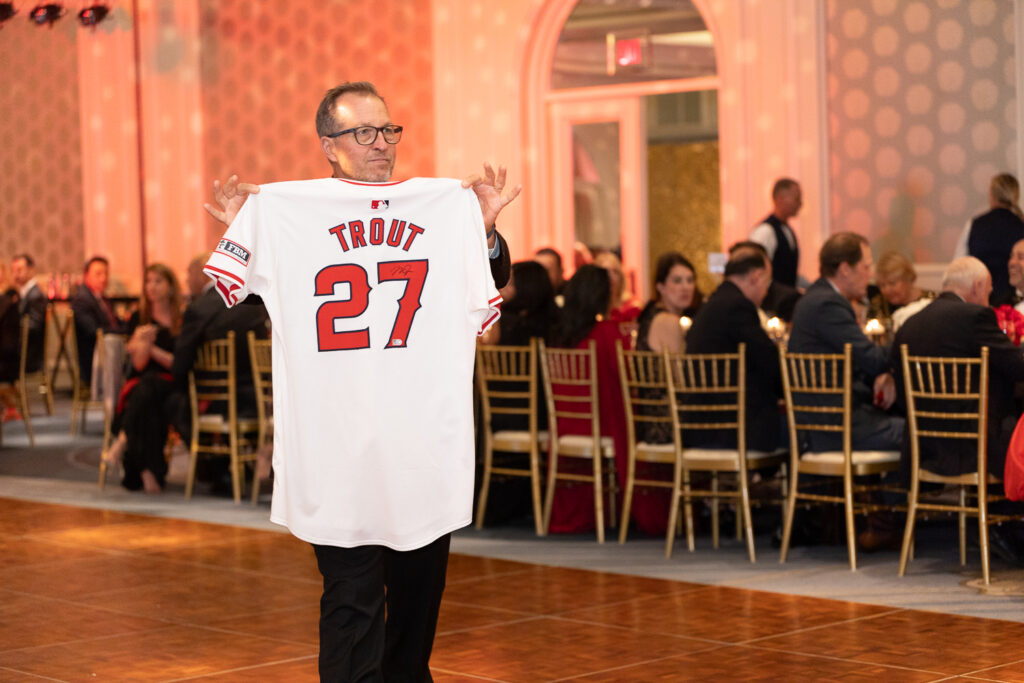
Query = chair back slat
x=810 y=378
x=507 y=382
x=947 y=398
x=261 y=361
x=644 y=379
x=570 y=386
x=708 y=392
x=213 y=373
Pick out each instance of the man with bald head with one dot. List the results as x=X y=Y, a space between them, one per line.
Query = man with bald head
x=958 y=323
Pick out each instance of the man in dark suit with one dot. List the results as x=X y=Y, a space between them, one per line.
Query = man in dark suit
x=92 y=312
x=206 y=318
x=824 y=321
x=33 y=304
x=958 y=323
x=727 y=319
x=781 y=298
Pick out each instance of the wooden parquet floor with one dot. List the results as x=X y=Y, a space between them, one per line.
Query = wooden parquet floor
x=94 y=595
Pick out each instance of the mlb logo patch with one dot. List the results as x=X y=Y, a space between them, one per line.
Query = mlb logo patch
x=235 y=251
x=379 y=204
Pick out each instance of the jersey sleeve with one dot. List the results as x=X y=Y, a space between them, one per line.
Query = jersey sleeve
x=483 y=299
x=235 y=262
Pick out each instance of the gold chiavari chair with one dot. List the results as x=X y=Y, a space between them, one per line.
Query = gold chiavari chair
x=38 y=376
x=947 y=399
x=570 y=388
x=63 y=325
x=818 y=393
x=212 y=381
x=644 y=379
x=261 y=361
x=109 y=365
x=708 y=394
x=20 y=384
x=81 y=392
x=507 y=382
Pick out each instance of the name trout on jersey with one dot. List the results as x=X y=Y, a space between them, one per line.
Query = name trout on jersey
x=359 y=234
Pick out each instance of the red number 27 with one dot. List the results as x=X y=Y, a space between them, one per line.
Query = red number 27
x=413 y=272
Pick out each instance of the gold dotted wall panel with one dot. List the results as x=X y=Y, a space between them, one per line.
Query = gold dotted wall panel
x=40 y=150
x=265 y=66
x=684 y=205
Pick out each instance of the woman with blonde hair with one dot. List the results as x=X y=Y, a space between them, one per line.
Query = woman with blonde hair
x=899 y=297
x=141 y=420
x=992 y=234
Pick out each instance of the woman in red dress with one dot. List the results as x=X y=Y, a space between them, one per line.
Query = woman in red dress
x=584 y=318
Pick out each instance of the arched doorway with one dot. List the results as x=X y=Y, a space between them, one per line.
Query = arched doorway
x=612 y=90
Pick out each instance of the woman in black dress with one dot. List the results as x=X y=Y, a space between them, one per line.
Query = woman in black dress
x=141 y=421
x=993 y=234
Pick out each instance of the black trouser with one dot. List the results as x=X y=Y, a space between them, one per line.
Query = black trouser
x=356 y=643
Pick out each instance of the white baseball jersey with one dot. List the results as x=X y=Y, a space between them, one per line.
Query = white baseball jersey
x=376 y=292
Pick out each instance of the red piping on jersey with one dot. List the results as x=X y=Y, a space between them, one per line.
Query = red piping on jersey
x=487 y=323
x=225 y=273
x=356 y=182
x=227 y=292
x=495 y=300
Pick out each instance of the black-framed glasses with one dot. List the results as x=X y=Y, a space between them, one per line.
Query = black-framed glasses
x=367 y=135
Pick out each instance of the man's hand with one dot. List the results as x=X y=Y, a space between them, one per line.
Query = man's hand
x=490 y=193
x=885 y=391
x=229 y=197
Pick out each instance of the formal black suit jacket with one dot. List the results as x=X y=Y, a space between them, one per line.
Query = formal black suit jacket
x=10 y=336
x=501 y=267
x=34 y=304
x=949 y=326
x=89 y=317
x=725 y=320
x=209 y=318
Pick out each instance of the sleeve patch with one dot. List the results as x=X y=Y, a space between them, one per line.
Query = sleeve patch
x=234 y=251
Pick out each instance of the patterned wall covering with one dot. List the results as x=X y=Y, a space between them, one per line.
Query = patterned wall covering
x=40 y=154
x=265 y=66
x=684 y=205
x=922 y=112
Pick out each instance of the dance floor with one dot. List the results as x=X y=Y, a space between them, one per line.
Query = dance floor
x=93 y=595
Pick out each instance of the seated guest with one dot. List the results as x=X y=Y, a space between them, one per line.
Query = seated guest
x=624 y=308
x=675 y=295
x=1015 y=269
x=531 y=312
x=528 y=312
x=824 y=321
x=92 y=312
x=33 y=304
x=10 y=338
x=141 y=419
x=584 y=319
x=727 y=319
x=959 y=323
x=207 y=318
x=992 y=235
x=552 y=262
x=898 y=297
x=781 y=298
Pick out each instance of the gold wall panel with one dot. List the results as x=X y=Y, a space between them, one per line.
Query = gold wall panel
x=684 y=205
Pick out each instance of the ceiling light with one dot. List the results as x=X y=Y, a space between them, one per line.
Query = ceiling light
x=46 y=13
x=6 y=11
x=92 y=15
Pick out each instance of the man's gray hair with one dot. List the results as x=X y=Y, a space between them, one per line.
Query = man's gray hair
x=963 y=273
